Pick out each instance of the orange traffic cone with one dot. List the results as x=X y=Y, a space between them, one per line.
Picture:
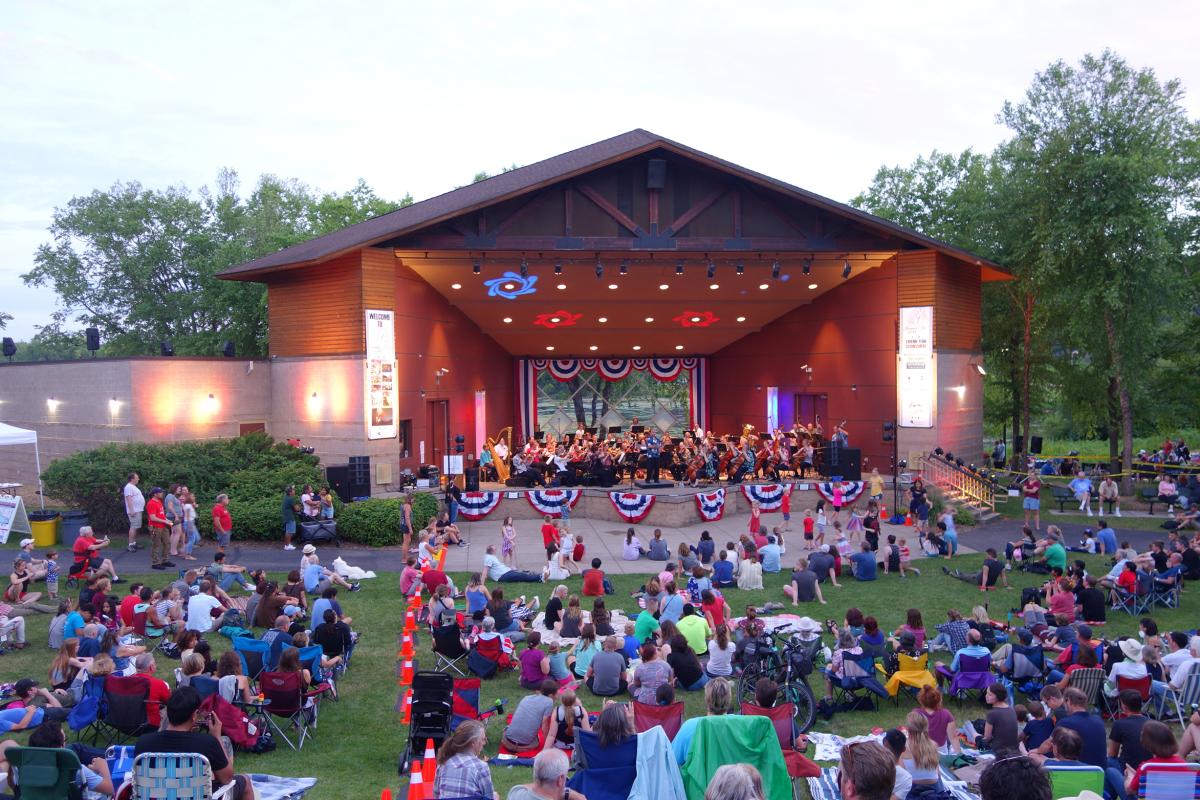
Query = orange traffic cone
x=417 y=601
x=883 y=511
x=430 y=767
x=406 y=649
x=406 y=707
x=908 y=520
x=406 y=673
x=386 y=794
x=410 y=621
x=416 y=782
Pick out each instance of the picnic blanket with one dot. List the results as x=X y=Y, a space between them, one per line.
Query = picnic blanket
x=826 y=786
x=550 y=637
x=274 y=787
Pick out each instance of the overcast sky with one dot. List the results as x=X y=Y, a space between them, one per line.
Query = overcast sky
x=419 y=99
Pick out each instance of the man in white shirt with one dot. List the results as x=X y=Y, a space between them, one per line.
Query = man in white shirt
x=200 y=607
x=497 y=570
x=1183 y=656
x=135 y=504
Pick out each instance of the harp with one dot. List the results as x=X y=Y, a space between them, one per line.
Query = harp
x=501 y=464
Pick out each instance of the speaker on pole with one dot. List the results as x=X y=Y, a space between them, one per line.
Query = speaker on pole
x=1035 y=445
x=93 y=340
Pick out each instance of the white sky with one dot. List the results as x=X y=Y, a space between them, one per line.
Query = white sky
x=419 y=99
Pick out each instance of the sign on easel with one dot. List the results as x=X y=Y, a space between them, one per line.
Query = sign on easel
x=13 y=517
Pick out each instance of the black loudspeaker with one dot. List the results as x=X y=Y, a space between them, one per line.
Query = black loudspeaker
x=228 y=350
x=10 y=347
x=338 y=478
x=471 y=475
x=517 y=482
x=1035 y=445
x=849 y=465
x=166 y=348
x=360 y=476
x=93 y=339
x=656 y=174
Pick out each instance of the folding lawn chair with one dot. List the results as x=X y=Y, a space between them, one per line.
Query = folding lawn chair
x=173 y=776
x=974 y=675
x=859 y=682
x=782 y=717
x=1089 y=681
x=291 y=703
x=646 y=716
x=44 y=773
x=204 y=685
x=607 y=773
x=1137 y=602
x=1183 y=699
x=310 y=659
x=911 y=672
x=254 y=655
x=151 y=641
x=1028 y=669
x=124 y=712
x=732 y=739
x=84 y=717
x=449 y=650
x=1165 y=594
x=1170 y=782
x=1072 y=781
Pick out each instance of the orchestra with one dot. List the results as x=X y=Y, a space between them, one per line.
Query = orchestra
x=606 y=457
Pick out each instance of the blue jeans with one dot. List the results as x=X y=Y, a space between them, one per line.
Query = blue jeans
x=1114 y=778
x=698 y=685
x=452 y=508
x=230 y=578
x=193 y=536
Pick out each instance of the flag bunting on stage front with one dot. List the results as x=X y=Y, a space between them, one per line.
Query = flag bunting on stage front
x=711 y=505
x=477 y=505
x=769 y=496
x=632 y=507
x=551 y=501
x=851 y=491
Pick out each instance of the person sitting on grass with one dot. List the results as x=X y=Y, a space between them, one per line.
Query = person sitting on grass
x=567 y=716
x=987 y=576
x=531 y=716
x=606 y=672
x=650 y=674
x=317 y=578
x=595 y=584
x=723 y=571
x=535 y=664
x=683 y=662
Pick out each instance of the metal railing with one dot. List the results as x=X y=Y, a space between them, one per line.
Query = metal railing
x=966 y=485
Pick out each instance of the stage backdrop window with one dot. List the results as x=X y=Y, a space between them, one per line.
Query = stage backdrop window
x=667 y=394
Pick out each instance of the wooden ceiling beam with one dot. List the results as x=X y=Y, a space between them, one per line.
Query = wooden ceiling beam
x=608 y=208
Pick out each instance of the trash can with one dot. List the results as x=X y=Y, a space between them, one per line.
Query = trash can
x=45 y=528
x=72 y=521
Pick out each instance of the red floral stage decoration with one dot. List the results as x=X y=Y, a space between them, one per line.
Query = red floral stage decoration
x=696 y=319
x=556 y=319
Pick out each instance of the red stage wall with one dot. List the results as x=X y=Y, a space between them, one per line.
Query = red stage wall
x=847 y=337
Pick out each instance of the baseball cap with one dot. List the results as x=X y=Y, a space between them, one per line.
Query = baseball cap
x=291 y=611
x=26 y=542
x=156 y=490
x=1084 y=632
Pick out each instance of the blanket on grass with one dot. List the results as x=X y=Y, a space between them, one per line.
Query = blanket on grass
x=275 y=787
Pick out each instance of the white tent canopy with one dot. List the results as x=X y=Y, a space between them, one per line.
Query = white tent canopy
x=13 y=435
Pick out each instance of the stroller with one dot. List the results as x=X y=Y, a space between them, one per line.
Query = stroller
x=432 y=709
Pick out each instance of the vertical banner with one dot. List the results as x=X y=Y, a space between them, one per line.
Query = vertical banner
x=380 y=389
x=916 y=379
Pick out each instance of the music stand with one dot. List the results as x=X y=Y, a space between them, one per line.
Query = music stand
x=617 y=429
x=637 y=429
x=678 y=440
x=539 y=435
x=591 y=431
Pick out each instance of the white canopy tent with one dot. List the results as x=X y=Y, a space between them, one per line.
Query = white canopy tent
x=10 y=435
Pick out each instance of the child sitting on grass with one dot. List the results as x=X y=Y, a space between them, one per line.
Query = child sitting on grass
x=558 y=663
x=630 y=648
x=568 y=716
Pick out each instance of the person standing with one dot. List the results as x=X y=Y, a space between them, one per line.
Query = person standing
x=1032 y=491
x=653 y=456
x=289 y=509
x=453 y=498
x=173 y=507
x=999 y=454
x=222 y=522
x=160 y=530
x=406 y=523
x=135 y=504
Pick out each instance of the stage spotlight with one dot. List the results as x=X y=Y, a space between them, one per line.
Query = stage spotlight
x=937 y=451
x=525 y=268
x=558 y=268
x=678 y=267
x=741 y=268
x=845 y=269
x=476 y=266
x=902 y=464
x=958 y=462
x=624 y=266
x=712 y=269
x=806 y=266
x=599 y=269
x=775 y=270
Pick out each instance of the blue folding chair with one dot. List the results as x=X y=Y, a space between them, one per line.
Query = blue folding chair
x=255 y=655
x=205 y=685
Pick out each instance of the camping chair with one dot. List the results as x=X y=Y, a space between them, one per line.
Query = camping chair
x=1137 y=602
x=781 y=717
x=123 y=714
x=1028 y=669
x=732 y=739
x=974 y=675
x=911 y=672
x=151 y=641
x=254 y=654
x=492 y=649
x=1170 y=782
x=291 y=703
x=605 y=773
x=448 y=648
x=310 y=659
x=177 y=776
x=1089 y=681
x=1072 y=781
x=44 y=773
x=1165 y=594
x=84 y=717
x=858 y=682
x=1183 y=698
x=204 y=685
x=646 y=716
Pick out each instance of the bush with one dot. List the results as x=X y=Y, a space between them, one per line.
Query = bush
x=425 y=506
x=375 y=522
x=253 y=470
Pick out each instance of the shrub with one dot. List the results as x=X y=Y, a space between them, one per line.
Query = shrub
x=425 y=505
x=375 y=522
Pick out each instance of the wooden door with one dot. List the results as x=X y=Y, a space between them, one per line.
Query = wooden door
x=439 y=431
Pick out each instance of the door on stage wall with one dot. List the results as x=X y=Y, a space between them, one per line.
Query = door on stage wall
x=439 y=431
x=811 y=407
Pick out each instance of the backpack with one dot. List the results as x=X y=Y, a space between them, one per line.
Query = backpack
x=232 y=632
x=234 y=723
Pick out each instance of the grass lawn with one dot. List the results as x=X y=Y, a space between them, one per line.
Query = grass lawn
x=360 y=737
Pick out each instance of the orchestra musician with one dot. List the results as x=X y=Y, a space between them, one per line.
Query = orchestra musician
x=653 y=449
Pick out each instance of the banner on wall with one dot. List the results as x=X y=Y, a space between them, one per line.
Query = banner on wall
x=380 y=378
x=917 y=378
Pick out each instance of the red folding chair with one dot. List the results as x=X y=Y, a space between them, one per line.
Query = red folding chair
x=646 y=716
x=781 y=717
x=289 y=702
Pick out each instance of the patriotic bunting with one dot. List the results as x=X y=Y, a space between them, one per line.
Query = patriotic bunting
x=851 y=491
x=632 y=507
x=769 y=496
x=551 y=501
x=477 y=505
x=711 y=505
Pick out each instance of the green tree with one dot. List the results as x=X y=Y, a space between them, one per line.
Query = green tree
x=141 y=264
x=1109 y=158
x=4 y=320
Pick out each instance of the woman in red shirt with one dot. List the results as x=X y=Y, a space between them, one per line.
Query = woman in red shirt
x=714 y=608
x=1159 y=741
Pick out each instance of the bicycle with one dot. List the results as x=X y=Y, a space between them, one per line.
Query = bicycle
x=789 y=669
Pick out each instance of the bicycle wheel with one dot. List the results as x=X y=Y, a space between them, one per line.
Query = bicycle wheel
x=765 y=667
x=800 y=694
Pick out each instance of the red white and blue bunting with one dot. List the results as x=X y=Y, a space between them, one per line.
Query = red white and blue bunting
x=632 y=507
x=711 y=505
x=477 y=505
x=551 y=501
x=612 y=369
x=851 y=491
x=769 y=496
